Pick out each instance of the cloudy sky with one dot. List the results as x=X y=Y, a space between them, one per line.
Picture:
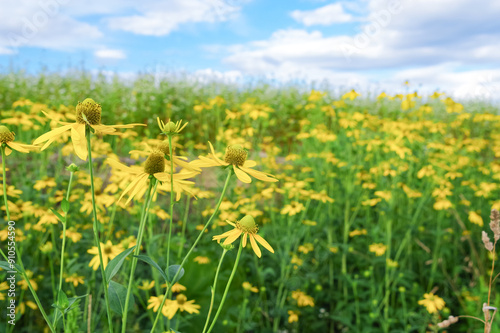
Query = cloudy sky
x=450 y=45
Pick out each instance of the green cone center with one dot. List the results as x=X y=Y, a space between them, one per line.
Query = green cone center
x=155 y=163
x=235 y=155
x=91 y=110
x=6 y=135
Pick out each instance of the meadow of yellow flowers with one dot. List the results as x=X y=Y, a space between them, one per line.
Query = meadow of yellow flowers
x=179 y=207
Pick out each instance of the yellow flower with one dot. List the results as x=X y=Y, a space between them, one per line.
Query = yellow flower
x=292 y=209
x=378 y=248
x=236 y=156
x=246 y=227
x=7 y=138
x=147 y=285
x=75 y=279
x=201 y=260
x=302 y=298
x=248 y=286
x=293 y=316
x=170 y=127
x=155 y=302
x=306 y=248
x=88 y=113
x=153 y=167
x=24 y=284
x=180 y=303
x=432 y=302
x=109 y=251
x=357 y=232
x=351 y=95
x=475 y=218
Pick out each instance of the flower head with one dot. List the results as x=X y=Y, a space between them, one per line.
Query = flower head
x=170 y=128
x=179 y=304
x=109 y=251
x=88 y=113
x=248 y=228
x=7 y=138
x=236 y=156
x=432 y=303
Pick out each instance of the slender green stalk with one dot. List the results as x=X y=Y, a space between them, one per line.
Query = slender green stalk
x=137 y=249
x=227 y=287
x=96 y=232
x=214 y=288
x=64 y=223
x=33 y=292
x=230 y=172
x=111 y=220
x=4 y=178
x=184 y=224
x=171 y=197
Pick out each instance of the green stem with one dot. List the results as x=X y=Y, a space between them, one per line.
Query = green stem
x=142 y=224
x=64 y=223
x=171 y=198
x=184 y=223
x=110 y=224
x=96 y=232
x=33 y=292
x=4 y=178
x=227 y=287
x=230 y=172
x=224 y=251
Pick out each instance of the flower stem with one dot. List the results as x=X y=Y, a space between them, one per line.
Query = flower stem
x=230 y=172
x=214 y=289
x=171 y=197
x=227 y=287
x=64 y=223
x=96 y=231
x=142 y=224
x=4 y=183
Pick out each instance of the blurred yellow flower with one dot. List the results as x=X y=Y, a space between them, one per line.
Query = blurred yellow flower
x=108 y=250
x=432 y=303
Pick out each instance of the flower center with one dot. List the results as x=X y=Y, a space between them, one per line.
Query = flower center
x=247 y=224
x=91 y=110
x=235 y=155
x=6 y=135
x=108 y=249
x=164 y=147
x=155 y=163
x=181 y=299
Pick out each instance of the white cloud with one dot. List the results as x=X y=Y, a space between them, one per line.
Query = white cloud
x=161 y=18
x=437 y=43
x=44 y=24
x=110 y=54
x=326 y=15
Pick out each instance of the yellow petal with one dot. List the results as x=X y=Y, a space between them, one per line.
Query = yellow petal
x=140 y=185
x=78 y=139
x=263 y=242
x=8 y=151
x=249 y=164
x=255 y=247
x=236 y=233
x=258 y=174
x=52 y=134
x=130 y=187
x=242 y=175
x=19 y=147
x=244 y=239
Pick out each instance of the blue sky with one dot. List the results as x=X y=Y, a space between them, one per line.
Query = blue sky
x=374 y=45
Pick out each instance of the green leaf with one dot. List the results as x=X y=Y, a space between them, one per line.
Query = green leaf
x=154 y=264
x=62 y=301
x=117 y=296
x=59 y=216
x=115 y=264
x=171 y=271
x=6 y=266
x=65 y=205
x=73 y=301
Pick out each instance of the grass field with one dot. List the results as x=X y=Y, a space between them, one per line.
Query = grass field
x=375 y=219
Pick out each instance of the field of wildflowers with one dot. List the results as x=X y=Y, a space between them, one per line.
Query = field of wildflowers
x=174 y=206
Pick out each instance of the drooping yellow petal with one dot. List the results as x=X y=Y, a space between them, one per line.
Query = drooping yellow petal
x=130 y=186
x=52 y=134
x=115 y=164
x=78 y=139
x=264 y=243
x=234 y=236
x=224 y=235
x=259 y=175
x=242 y=175
x=21 y=147
x=244 y=239
x=8 y=151
x=140 y=185
x=255 y=247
